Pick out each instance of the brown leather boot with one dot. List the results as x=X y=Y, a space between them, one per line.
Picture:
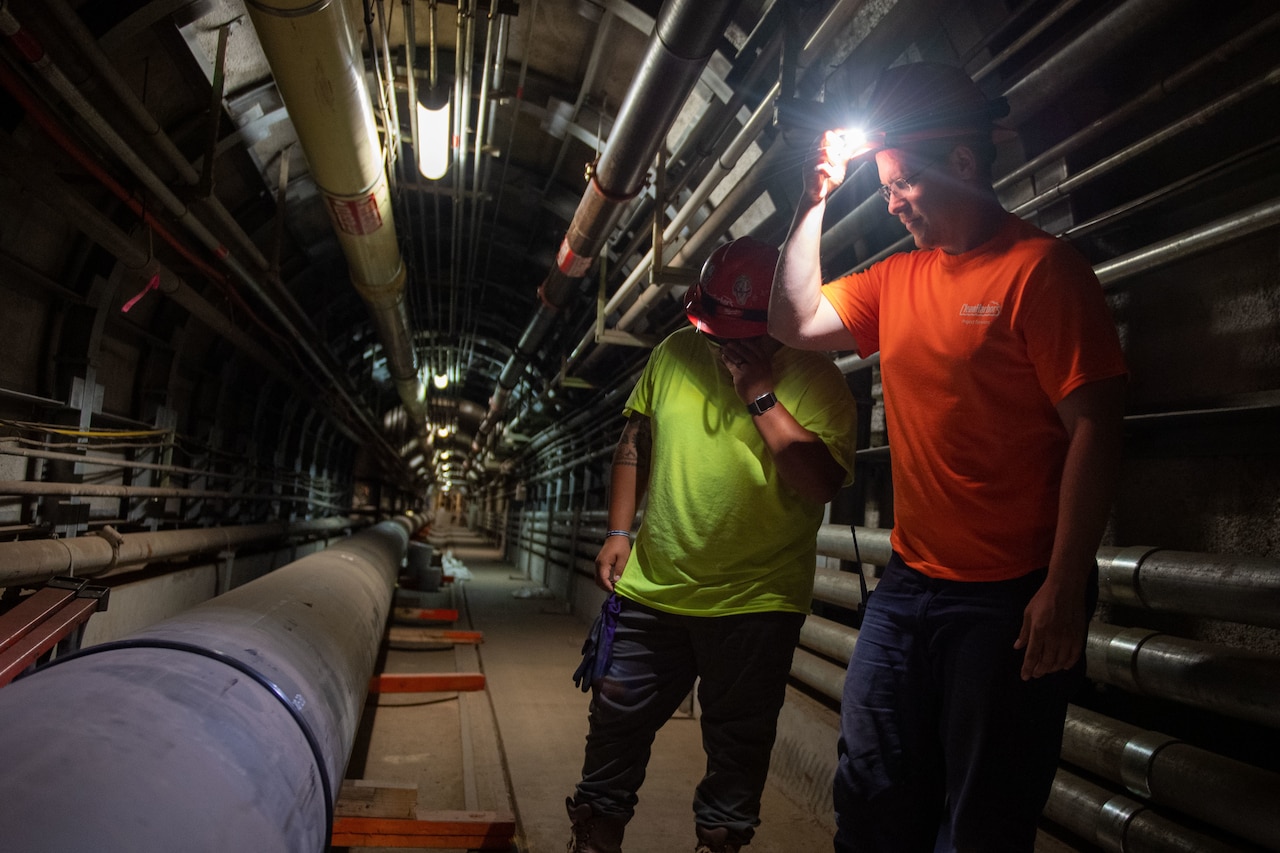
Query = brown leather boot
x=591 y=833
x=715 y=841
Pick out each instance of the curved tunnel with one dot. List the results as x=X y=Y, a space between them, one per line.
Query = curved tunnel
x=248 y=348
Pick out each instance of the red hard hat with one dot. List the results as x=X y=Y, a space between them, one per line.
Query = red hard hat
x=731 y=298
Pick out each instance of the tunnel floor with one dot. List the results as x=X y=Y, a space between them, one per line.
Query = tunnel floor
x=516 y=746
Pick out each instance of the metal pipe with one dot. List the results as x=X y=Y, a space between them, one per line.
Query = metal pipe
x=1230 y=681
x=32 y=488
x=1235 y=796
x=31 y=50
x=253 y=697
x=683 y=39
x=36 y=560
x=829 y=638
x=1118 y=823
x=1210 y=236
x=822 y=675
x=1060 y=72
x=106 y=73
x=832 y=24
x=319 y=73
x=1221 y=586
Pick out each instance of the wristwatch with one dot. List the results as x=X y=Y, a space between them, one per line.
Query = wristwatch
x=762 y=404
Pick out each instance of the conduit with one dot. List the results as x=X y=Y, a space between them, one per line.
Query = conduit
x=1119 y=824
x=227 y=727
x=1235 y=587
x=319 y=72
x=1235 y=796
x=835 y=22
x=1222 y=586
x=34 y=561
x=107 y=74
x=31 y=50
x=1230 y=681
x=684 y=37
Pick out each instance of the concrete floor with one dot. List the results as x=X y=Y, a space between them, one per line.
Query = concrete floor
x=517 y=746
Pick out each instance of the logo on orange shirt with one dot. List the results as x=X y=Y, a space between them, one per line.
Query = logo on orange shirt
x=980 y=314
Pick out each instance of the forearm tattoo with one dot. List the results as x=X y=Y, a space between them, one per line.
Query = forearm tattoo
x=635 y=444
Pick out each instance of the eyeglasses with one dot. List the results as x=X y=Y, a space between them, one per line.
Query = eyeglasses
x=900 y=186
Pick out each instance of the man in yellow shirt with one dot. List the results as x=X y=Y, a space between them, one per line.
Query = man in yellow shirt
x=739 y=442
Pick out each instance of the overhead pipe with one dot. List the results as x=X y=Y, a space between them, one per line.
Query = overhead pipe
x=32 y=561
x=835 y=22
x=1041 y=87
x=319 y=72
x=684 y=37
x=227 y=727
x=32 y=51
x=105 y=72
x=1223 y=792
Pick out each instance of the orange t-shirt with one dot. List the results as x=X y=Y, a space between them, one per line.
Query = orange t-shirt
x=976 y=350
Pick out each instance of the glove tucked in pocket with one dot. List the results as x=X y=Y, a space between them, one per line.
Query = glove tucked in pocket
x=597 y=649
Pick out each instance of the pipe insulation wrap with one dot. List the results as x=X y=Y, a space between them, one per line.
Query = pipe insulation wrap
x=227 y=727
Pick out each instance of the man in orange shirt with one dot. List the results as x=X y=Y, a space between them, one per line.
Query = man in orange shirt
x=1004 y=389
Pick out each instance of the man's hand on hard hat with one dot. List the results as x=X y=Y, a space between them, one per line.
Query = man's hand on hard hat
x=828 y=162
x=611 y=560
x=750 y=363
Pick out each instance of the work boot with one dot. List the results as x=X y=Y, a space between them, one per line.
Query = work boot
x=715 y=841
x=592 y=833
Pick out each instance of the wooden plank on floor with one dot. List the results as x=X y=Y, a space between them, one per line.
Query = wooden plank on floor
x=407 y=636
x=426 y=682
x=463 y=830
x=367 y=798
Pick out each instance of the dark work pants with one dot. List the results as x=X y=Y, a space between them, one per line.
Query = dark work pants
x=743 y=662
x=942 y=745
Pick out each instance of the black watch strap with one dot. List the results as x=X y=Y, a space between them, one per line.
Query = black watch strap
x=762 y=404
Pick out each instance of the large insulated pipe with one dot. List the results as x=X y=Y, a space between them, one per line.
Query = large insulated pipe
x=319 y=71
x=227 y=727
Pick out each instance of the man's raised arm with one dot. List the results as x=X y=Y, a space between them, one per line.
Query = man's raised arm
x=799 y=315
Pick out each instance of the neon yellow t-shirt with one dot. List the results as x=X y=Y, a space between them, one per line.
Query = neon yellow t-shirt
x=721 y=533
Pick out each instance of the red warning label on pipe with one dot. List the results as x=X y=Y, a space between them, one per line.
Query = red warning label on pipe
x=570 y=264
x=358 y=216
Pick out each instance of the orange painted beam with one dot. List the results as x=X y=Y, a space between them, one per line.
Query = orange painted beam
x=440 y=829
x=438 y=614
x=426 y=682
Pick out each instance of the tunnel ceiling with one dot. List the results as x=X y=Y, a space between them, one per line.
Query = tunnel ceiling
x=544 y=79
x=289 y=327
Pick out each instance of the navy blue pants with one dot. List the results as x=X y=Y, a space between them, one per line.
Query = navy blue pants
x=943 y=746
x=743 y=662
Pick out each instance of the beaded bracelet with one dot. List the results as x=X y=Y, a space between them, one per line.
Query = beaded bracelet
x=626 y=533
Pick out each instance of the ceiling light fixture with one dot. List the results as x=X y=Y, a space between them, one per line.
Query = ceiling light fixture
x=434 y=138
